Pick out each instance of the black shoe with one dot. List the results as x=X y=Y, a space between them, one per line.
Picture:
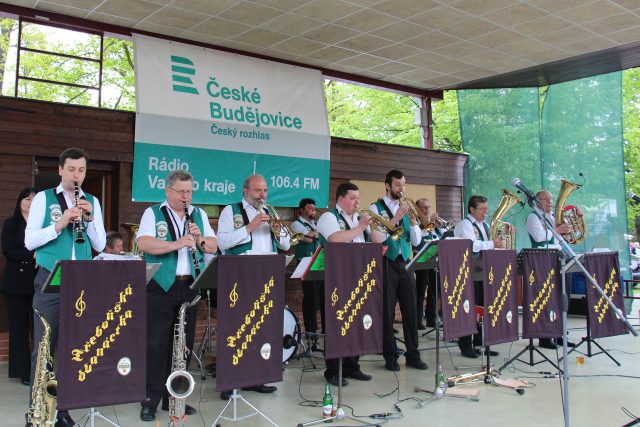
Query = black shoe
x=360 y=376
x=333 y=380
x=261 y=388
x=421 y=327
x=491 y=352
x=25 y=381
x=547 y=343
x=188 y=409
x=146 y=414
x=417 y=363
x=392 y=366
x=65 y=421
x=431 y=324
x=559 y=343
x=226 y=395
x=469 y=353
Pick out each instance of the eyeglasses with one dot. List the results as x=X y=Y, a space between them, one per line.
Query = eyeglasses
x=181 y=192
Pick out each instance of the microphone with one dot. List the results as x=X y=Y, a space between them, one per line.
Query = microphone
x=633 y=196
x=520 y=186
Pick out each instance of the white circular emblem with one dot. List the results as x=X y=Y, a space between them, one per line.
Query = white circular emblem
x=509 y=316
x=162 y=229
x=56 y=213
x=238 y=222
x=384 y=214
x=265 y=351
x=465 y=306
x=552 y=316
x=124 y=366
x=367 y=321
x=342 y=225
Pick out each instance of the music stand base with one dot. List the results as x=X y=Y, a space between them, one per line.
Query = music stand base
x=233 y=402
x=530 y=348
x=90 y=417
x=589 y=353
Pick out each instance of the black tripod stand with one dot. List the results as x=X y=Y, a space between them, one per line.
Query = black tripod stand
x=590 y=341
x=530 y=348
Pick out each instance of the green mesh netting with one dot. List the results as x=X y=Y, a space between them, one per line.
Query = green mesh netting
x=542 y=135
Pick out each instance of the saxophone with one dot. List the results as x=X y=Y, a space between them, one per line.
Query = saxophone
x=44 y=389
x=180 y=383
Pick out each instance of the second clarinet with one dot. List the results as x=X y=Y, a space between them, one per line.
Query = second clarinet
x=192 y=250
x=78 y=225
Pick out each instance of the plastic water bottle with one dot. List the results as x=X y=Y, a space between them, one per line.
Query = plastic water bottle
x=440 y=377
x=327 y=403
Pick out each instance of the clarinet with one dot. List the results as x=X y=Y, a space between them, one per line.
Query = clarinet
x=192 y=250
x=78 y=226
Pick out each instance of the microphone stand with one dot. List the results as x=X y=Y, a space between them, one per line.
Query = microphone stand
x=571 y=258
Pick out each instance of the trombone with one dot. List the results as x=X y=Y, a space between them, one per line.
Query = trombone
x=276 y=224
x=382 y=225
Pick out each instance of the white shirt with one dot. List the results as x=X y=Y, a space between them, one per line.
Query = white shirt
x=35 y=235
x=148 y=228
x=465 y=230
x=393 y=205
x=538 y=231
x=260 y=238
x=296 y=227
x=328 y=224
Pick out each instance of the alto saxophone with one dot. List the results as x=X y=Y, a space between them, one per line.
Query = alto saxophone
x=44 y=390
x=180 y=383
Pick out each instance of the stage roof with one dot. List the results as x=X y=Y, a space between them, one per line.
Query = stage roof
x=412 y=45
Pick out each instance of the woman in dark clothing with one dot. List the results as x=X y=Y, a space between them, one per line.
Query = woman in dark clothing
x=17 y=286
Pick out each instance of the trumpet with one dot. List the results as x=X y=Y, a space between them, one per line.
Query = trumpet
x=382 y=225
x=78 y=226
x=276 y=224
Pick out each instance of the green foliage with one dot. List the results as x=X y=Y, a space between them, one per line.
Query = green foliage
x=118 y=85
x=368 y=114
x=631 y=120
x=446 y=123
x=7 y=27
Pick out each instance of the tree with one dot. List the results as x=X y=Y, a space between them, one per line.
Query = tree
x=7 y=27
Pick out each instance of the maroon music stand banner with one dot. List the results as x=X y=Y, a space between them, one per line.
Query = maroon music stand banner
x=541 y=293
x=102 y=357
x=353 y=299
x=250 y=319
x=500 y=321
x=456 y=288
x=604 y=267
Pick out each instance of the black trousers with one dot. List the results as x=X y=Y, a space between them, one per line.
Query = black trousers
x=162 y=315
x=350 y=365
x=20 y=312
x=426 y=286
x=467 y=343
x=312 y=300
x=400 y=287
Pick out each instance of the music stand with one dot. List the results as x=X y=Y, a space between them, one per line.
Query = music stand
x=207 y=280
x=425 y=259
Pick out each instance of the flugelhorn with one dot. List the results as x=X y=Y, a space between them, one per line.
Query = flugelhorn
x=277 y=224
x=78 y=225
x=382 y=225
x=569 y=214
x=416 y=213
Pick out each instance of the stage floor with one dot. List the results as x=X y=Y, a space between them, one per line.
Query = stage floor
x=598 y=390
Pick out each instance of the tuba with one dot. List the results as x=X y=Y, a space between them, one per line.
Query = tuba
x=504 y=230
x=44 y=390
x=382 y=225
x=277 y=224
x=569 y=214
x=180 y=383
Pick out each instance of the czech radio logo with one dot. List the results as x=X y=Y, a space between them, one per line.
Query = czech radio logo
x=181 y=70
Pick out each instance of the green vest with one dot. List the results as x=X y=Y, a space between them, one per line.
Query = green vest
x=403 y=244
x=60 y=247
x=306 y=249
x=166 y=275
x=479 y=234
x=238 y=222
x=536 y=245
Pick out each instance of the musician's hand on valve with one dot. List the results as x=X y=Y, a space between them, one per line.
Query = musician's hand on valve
x=498 y=243
x=257 y=221
x=403 y=209
x=564 y=228
x=364 y=221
